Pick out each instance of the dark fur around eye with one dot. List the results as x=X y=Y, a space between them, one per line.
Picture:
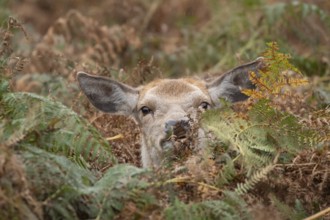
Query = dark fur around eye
x=204 y=105
x=145 y=110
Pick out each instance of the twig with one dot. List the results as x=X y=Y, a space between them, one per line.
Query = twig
x=319 y=214
x=153 y=8
x=177 y=180
x=296 y=164
x=187 y=180
x=53 y=196
x=209 y=186
x=116 y=137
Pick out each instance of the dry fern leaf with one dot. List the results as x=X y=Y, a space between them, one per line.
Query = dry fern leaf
x=75 y=38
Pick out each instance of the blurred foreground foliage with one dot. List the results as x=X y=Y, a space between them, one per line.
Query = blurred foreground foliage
x=270 y=153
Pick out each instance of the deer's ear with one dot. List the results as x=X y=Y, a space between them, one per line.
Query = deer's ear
x=230 y=84
x=108 y=95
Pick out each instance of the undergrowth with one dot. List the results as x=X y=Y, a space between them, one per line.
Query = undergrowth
x=55 y=165
x=264 y=135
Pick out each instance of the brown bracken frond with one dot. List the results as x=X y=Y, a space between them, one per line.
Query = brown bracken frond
x=78 y=40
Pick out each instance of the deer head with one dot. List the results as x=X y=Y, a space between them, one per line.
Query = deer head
x=166 y=108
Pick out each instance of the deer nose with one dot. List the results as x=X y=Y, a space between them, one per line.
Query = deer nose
x=179 y=128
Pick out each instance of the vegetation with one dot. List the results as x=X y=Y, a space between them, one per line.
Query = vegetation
x=266 y=158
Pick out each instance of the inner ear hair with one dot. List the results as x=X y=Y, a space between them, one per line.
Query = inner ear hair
x=235 y=75
x=230 y=84
x=108 y=95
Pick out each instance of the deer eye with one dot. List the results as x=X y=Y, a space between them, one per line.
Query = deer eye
x=145 y=110
x=204 y=106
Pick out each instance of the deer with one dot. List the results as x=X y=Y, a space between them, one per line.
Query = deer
x=164 y=108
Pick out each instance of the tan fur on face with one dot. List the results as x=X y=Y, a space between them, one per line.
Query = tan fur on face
x=174 y=87
x=168 y=99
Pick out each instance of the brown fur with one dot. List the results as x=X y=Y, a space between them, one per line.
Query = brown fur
x=174 y=87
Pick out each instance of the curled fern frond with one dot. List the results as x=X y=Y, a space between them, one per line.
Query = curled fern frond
x=250 y=182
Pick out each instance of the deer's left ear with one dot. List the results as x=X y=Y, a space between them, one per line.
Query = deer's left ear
x=230 y=84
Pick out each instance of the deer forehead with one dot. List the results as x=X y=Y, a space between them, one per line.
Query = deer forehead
x=174 y=91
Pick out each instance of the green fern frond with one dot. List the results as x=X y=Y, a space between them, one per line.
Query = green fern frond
x=250 y=182
x=58 y=183
x=120 y=184
x=266 y=132
x=231 y=207
x=247 y=137
x=227 y=172
x=287 y=212
x=283 y=128
x=29 y=118
x=68 y=191
x=4 y=85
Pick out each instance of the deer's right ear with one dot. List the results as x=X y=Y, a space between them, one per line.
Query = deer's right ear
x=108 y=95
